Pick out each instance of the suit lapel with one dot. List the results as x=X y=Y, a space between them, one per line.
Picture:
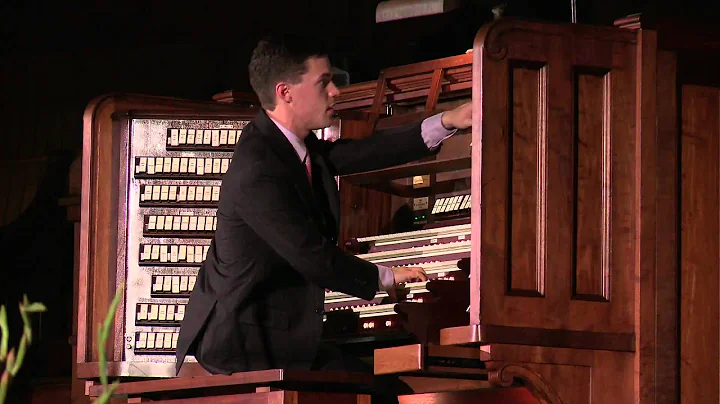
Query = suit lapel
x=288 y=156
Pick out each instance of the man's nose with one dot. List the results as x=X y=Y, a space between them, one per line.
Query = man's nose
x=333 y=91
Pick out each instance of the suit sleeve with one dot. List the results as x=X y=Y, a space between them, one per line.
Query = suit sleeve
x=269 y=204
x=382 y=149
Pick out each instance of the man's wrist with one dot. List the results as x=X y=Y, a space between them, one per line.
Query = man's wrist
x=386 y=278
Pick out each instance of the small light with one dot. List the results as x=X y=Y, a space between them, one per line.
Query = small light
x=388 y=323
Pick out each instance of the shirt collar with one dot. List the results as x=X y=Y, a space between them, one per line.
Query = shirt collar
x=297 y=143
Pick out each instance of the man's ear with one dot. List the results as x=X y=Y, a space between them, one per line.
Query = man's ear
x=282 y=91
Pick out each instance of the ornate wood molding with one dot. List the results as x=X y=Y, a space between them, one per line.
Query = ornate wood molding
x=507 y=374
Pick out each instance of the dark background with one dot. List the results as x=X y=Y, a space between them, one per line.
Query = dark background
x=56 y=56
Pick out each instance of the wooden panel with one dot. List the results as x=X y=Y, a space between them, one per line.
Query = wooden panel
x=507 y=201
x=667 y=343
x=591 y=252
x=363 y=211
x=700 y=245
x=527 y=172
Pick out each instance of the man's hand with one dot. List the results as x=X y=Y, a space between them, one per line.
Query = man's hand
x=458 y=118
x=404 y=275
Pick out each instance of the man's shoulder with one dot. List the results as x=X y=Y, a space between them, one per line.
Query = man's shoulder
x=252 y=147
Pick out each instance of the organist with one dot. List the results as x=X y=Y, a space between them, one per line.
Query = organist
x=258 y=298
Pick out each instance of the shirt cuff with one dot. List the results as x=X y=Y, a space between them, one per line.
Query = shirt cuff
x=433 y=132
x=386 y=279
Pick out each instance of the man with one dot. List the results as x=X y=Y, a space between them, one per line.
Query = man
x=258 y=300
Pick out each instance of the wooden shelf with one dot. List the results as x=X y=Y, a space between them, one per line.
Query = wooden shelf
x=369 y=178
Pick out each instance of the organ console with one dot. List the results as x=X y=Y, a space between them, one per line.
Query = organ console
x=532 y=228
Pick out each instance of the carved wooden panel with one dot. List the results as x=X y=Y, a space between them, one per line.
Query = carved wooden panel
x=554 y=180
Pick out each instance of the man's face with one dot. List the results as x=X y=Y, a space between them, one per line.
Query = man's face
x=314 y=96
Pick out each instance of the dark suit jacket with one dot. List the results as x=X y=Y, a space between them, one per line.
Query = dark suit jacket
x=258 y=300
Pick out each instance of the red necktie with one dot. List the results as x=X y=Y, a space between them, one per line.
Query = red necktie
x=308 y=166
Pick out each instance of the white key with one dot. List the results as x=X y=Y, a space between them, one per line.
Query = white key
x=156 y=192
x=153 y=315
x=198 y=254
x=162 y=312
x=157 y=286
x=164 y=191
x=167 y=165
x=163 y=253
x=207 y=194
x=191 y=165
x=215 y=138
x=168 y=341
x=215 y=194
x=182 y=139
x=147 y=195
x=146 y=253
x=151 y=222
x=201 y=224
x=142 y=167
x=173 y=193
x=176 y=223
x=141 y=342
x=184 y=223
x=223 y=136
x=170 y=312
x=208 y=166
x=168 y=222
x=174 y=134
x=160 y=225
x=155 y=252
x=216 y=166
x=191 y=254
x=176 y=164
x=193 y=223
x=182 y=253
x=207 y=137
x=180 y=315
x=208 y=223
x=199 y=193
x=183 y=165
x=142 y=315
x=159 y=340
x=190 y=136
x=158 y=165
x=191 y=283
x=182 y=195
x=231 y=137
x=200 y=166
x=151 y=340
x=175 y=340
x=191 y=193
x=205 y=251
x=167 y=284
x=214 y=223
x=199 y=135
x=183 y=283
x=224 y=165
x=173 y=253
x=176 y=284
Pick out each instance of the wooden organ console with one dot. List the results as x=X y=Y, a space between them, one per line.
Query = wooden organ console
x=537 y=229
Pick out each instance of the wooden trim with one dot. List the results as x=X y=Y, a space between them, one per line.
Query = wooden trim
x=261 y=377
x=495 y=334
x=408 y=170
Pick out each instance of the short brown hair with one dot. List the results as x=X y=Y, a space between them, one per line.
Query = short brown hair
x=279 y=59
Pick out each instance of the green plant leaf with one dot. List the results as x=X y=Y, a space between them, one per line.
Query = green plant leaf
x=104 y=331
x=20 y=356
x=27 y=328
x=36 y=307
x=4 y=382
x=4 y=333
x=107 y=393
